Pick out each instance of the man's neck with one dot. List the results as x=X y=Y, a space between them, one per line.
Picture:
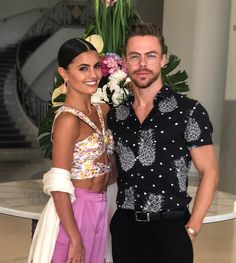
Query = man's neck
x=145 y=97
x=143 y=101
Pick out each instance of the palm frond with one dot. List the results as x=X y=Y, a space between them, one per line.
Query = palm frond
x=177 y=81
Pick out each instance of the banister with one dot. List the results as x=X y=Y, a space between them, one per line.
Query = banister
x=40 y=9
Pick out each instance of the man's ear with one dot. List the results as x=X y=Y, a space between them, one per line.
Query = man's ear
x=163 y=60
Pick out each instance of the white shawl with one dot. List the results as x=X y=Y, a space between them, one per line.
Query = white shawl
x=45 y=235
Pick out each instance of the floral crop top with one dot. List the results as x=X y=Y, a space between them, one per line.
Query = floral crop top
x=87 y=152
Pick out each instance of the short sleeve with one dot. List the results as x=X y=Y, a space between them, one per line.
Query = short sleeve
x=198 y=131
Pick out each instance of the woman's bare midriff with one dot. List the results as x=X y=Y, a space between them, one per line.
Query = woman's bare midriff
x=95 y=184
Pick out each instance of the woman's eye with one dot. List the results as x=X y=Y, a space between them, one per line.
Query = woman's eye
x=97 y=66
x=83 y=68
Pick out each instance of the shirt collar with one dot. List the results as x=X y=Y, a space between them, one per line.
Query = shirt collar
x=163 y=93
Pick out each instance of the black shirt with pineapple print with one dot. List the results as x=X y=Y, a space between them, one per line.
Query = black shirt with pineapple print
x=153 y=158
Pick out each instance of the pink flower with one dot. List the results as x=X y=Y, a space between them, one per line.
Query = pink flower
x=110 y=2
x=110 y=63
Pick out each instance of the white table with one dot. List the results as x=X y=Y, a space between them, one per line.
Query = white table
x=26 y=199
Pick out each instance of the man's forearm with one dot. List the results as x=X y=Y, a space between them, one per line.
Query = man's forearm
x=203 y=199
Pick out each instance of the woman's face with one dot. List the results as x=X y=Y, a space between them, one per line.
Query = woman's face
x=83 y=74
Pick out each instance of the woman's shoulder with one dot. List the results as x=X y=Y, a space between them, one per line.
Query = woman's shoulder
x=66 y=121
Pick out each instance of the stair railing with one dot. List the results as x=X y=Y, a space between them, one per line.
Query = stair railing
x=63 y=14
x=39 y=9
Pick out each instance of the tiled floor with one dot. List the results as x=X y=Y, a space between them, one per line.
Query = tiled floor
x=15 y=235
x=215 y=244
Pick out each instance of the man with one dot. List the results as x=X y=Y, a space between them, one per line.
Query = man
x=157 y=133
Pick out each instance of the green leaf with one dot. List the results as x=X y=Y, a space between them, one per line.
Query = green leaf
x=90 y=30
x=97 y=16
x=60 y=98
x=173 y=62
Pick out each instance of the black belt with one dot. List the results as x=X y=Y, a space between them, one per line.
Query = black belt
x=141 y=216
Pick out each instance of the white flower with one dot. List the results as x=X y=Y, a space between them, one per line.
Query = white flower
x=127 y=81
x=114 y=91
x=99 y=96
x=117 y=75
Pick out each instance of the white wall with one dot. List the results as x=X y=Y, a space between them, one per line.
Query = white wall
x=178 y=22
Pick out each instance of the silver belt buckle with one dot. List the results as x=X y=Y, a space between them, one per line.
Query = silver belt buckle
x=147 y=219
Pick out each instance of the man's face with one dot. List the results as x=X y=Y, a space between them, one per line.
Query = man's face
x=144 y=60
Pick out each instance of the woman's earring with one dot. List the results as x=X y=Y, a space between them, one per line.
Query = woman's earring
x=64 y=87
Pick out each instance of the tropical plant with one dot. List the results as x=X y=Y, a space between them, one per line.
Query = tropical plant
x=112 y=20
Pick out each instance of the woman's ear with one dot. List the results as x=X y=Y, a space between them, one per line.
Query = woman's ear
x=63 y=73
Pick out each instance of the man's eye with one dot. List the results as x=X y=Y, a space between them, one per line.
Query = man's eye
x=152 y=55
x=134 y=57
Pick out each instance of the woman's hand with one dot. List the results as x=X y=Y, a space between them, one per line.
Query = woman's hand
x=76 y=252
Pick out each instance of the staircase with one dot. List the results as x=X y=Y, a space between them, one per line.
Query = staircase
x=20 y=155
x=10 y=136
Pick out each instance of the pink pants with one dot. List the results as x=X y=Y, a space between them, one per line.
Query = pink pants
x=90 y=212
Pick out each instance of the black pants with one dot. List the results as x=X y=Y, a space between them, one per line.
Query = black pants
x=159 y=241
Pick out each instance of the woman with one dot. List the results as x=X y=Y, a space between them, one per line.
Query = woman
x=82 y=146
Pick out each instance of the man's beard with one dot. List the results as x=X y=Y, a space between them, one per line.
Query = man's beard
x=149 y=82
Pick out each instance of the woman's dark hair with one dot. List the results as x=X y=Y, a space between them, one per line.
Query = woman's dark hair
x=71 y=49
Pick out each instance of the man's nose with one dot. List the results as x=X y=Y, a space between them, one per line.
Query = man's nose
x=143 y=61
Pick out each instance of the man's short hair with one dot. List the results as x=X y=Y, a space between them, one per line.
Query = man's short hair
x=145 y=29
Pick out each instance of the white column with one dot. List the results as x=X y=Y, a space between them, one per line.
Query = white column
x=209 y=57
